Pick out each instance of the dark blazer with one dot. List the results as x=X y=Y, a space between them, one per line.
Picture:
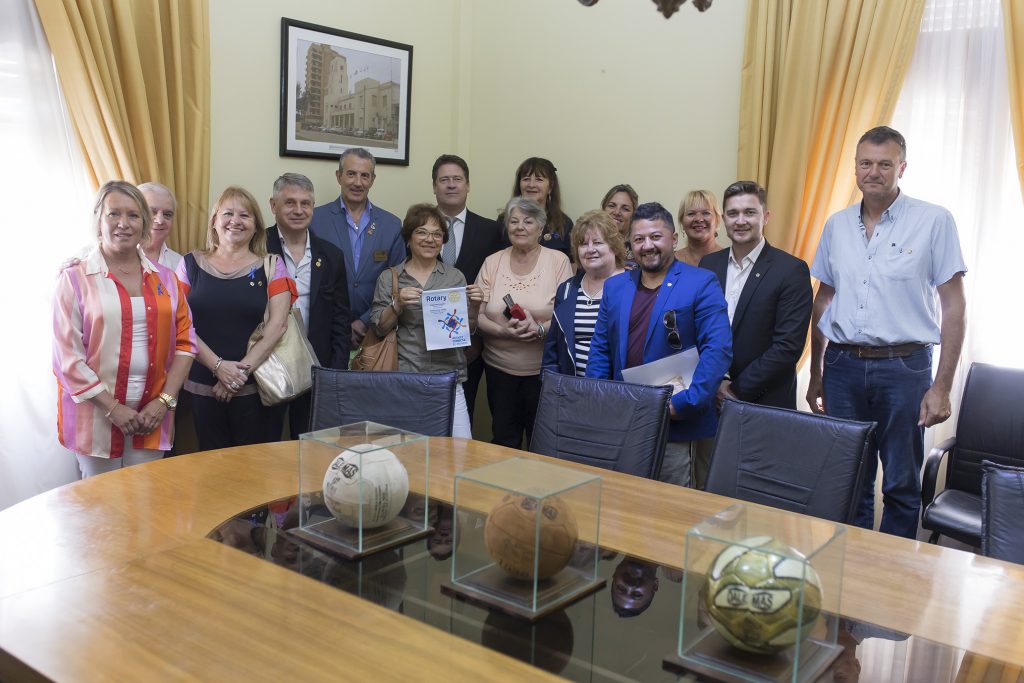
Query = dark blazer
x=481 y=237
x=329 y=327
x=383 y=237
x=561 y=340
x=769 y=327
x=702 y=320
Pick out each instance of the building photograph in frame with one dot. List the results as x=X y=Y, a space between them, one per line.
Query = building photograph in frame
x=342 y=90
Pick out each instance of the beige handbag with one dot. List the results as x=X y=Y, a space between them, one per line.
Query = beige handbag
x=288 y=372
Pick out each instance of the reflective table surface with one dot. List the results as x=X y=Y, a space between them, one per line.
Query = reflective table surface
x=620 y=633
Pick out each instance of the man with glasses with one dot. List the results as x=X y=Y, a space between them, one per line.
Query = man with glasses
x=472 y=238
x=891 y=274
x=662 y=308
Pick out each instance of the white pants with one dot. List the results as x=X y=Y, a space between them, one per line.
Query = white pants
x=92 y=465
x=462 y=426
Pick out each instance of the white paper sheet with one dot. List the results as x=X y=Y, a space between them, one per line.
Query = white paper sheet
x=676 y=370
x=445 y=318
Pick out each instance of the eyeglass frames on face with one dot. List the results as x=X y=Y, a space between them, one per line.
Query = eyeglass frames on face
x=424 y=234
x=669 y=321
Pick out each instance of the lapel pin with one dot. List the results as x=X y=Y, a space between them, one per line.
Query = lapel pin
x=757 y=274
x=319 y=262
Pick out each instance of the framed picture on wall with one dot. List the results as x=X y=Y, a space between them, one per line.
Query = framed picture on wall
x=342 y=90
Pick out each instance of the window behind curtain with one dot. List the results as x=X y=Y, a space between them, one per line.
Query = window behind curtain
x=954 y=111
x=46 y=210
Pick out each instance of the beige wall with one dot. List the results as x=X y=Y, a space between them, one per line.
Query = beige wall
x=612 y=93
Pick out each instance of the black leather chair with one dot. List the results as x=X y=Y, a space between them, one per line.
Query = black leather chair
x=417 y=402
x=1002 y=508
x=613 y=425
x=990 y=426
x=790 y=460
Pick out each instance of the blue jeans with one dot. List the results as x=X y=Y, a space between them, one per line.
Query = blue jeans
x=889 y=392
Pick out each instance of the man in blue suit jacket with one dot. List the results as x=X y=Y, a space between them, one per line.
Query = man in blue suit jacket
x=368 y=236
x=660 y=309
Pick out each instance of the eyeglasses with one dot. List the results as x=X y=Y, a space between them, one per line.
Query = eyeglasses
x=424 y=234
x=669 y=321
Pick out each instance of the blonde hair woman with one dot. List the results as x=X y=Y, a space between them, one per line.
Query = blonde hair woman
x=699 y=218
x=229 y=293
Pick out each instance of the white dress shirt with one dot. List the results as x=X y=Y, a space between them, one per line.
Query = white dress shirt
x=736 y=275
x=300 y=272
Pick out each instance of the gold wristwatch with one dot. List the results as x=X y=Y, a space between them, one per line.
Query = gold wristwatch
x=168 y=400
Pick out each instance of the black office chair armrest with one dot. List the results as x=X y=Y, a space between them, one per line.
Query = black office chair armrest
x=931 y=470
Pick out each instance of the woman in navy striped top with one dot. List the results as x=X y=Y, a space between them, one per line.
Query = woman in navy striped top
x=601 y=252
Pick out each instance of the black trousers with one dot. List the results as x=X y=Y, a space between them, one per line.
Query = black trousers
x=513 y=402
x=298 y=414
x=241 y=421
x=474 y=371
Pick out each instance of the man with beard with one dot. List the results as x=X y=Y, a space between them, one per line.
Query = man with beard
x=662 y=308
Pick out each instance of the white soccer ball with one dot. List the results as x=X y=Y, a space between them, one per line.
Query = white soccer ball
x=366 y=477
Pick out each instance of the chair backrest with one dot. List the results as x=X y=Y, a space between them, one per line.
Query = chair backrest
x=790 y=460
x=417 y=402
x=613 y=425
x=1002 y=507
x=990 y=425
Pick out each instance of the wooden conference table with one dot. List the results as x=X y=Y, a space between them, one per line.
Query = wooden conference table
x=114 y=578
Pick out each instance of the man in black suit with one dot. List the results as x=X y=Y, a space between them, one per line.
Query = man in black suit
x=318 y=268
x=473 y=239
x=769 y=296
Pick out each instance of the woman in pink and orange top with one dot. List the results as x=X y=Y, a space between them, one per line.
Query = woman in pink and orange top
x=123 y=342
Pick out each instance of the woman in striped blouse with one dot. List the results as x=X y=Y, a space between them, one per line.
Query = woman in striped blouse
x=601 y=252
x=123 y=342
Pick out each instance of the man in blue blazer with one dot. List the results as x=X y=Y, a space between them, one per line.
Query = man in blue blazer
x=368 y=236
x=660 y=309
x=318 y=269
x=769 y=296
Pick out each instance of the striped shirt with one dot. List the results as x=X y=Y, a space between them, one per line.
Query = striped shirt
x=583 y=329
x=92 y=349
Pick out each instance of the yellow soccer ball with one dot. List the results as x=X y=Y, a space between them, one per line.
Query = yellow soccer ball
x=753 y=595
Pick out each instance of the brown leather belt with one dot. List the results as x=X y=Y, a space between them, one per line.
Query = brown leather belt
x=896 y=351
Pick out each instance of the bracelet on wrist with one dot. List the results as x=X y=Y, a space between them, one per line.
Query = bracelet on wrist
x=216 y=365
x=108 y=413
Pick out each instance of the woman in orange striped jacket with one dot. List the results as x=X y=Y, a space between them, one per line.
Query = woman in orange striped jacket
x=123 y=342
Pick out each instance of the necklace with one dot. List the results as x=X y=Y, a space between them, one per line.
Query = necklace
x=122 y=269
x=591 y=298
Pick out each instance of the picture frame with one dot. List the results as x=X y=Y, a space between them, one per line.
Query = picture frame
x=341 y=90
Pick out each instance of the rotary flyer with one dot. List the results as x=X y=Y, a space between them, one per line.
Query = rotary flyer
x=446 y=318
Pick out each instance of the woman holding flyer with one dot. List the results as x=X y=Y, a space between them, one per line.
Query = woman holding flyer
x=424 y=231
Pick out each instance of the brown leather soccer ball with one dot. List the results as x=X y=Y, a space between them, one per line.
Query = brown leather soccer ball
x=511 y=529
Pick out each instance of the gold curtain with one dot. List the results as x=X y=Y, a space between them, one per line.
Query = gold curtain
x=1013 y=23
x=136 y=78
x=816 y=75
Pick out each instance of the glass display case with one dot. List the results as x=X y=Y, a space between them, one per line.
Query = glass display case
x=536 y=548
x=362 y=488
x=761 y=594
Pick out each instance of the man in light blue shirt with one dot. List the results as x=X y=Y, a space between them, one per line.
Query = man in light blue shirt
x=368 y=236
x=891 y=274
